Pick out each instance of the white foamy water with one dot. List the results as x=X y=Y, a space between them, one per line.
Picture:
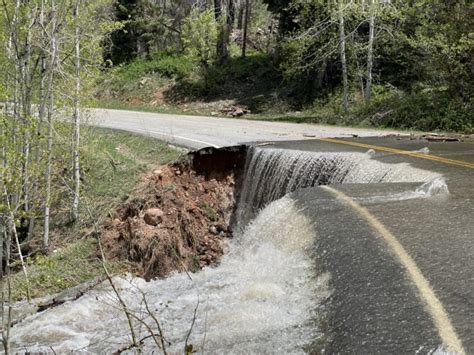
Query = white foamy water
x=436 y=187
x=262 y=298
x=273 y=173
x=424 y=150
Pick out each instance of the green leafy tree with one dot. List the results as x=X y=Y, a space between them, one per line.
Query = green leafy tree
x=200 y=32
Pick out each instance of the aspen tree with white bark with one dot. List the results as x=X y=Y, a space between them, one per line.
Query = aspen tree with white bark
x=370 y=52
x=77 y=113
x=50 y=113
x=342 y=54
x=38 y=61
x=42 y=74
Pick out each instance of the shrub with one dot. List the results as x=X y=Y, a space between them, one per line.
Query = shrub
x=169 y=65
x=425 y=110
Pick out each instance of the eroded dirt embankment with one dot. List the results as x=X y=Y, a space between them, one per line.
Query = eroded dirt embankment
x=179 y=216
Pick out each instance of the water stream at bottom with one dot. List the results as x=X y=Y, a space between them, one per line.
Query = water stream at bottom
x=262 y=298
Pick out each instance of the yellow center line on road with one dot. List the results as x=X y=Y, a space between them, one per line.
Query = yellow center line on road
x=433 y=305
x=461 y=163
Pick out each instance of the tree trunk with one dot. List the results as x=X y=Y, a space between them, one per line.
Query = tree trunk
x=342 y=53
x=77 y=116
x=360 y=76
x=370 y=53
x=220 y=45
x=225 y=28
x=246 y=28
x=41 y=111
x=26 y=88
x=50 y=96
x=6 y=295
x=240 y=16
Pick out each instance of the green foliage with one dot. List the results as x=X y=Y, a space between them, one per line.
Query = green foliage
x=142 y=78
x=148 y=27
x=65 y=268
x=199 y=36
x=419 y=44
x=425 y=110
x=444 y=37
x=257 y=66
x=165 y=64
x=255 y=69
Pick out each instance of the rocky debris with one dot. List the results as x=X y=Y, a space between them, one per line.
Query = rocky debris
x=213 y=230
x=153 y=216
x=143 y=82
x=176 y=220
x=432 y=137
x=235 y=111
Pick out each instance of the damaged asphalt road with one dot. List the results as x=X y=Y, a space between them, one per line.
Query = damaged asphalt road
x=402 y=270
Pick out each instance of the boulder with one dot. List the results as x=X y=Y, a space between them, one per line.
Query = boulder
x=153 y=216
x=213 y=230
x=238 y=112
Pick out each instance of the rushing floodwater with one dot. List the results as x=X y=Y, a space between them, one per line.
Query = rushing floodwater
x=263 y=297
x=265 y=294
x=273 y=173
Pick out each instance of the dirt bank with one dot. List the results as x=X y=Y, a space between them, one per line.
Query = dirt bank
x=175 y=220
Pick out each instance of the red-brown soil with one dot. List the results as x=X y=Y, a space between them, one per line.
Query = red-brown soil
x=190 y=229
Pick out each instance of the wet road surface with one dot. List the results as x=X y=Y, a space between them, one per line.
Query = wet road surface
x=383 y=301
x=377 y=306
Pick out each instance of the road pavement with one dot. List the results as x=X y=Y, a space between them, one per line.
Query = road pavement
x=197 y=132
x=402 y=270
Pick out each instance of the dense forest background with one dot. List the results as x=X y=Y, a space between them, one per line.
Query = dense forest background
x=406 y=64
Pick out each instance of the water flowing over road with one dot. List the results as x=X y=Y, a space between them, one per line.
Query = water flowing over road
x=343 y=246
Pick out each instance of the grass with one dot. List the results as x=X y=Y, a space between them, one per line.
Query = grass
x=143 y=79
x=63 y=269
x=112 y=165
x=166 y=64
x=115 y=104
x=113 y=162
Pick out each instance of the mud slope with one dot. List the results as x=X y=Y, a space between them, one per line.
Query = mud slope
x=178 y=218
